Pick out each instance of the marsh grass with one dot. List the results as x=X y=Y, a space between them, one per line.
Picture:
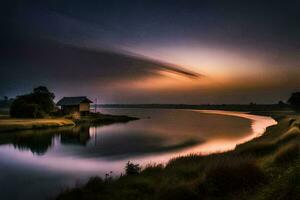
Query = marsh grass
x=231 y=175
x=287 y=153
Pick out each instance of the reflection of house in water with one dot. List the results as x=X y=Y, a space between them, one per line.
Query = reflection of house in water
x=79 y=135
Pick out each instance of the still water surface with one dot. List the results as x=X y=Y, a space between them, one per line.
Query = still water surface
x=38 y=164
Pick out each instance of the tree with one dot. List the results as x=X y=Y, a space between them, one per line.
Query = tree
x=43 y=90
x=294 y=100
x=37 y=104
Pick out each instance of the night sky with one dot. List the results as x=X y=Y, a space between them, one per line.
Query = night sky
x=142 y=51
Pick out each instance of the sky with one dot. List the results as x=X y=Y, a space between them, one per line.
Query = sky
x=138 y=51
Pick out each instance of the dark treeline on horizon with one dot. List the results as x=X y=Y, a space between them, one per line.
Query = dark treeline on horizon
x=236 y=107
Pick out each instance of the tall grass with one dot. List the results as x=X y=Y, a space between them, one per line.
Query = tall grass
x=231 y=175
x=287 y=153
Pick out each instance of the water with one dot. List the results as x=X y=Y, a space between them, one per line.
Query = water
x=39 y=164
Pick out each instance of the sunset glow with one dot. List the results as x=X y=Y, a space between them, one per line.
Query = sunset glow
x=97 y=55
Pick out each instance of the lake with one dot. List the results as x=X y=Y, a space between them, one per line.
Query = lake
x=39 y=164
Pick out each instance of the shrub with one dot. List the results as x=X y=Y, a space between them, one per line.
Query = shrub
x=23 y=110
x=132 y=169
x=294 y=100
x=37 y=104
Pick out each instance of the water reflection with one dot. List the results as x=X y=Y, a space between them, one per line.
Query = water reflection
x=79 y=135
x=163 y=131
x=55 y=157
x=92 y=142
x=37 y=143
x=40 y=141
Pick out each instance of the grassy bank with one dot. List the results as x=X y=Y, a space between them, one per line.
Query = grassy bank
x=103 y=119
x=10 y=124
x=267 y=167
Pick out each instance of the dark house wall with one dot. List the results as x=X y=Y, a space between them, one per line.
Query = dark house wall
x=70 y=109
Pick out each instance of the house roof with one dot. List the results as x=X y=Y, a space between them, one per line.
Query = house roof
x=71 y=101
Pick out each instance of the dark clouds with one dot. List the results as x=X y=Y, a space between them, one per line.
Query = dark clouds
x=29 y=61
x=272 y=25
x=78 y=47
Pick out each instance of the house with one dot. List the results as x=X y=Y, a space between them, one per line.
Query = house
x=75 y=104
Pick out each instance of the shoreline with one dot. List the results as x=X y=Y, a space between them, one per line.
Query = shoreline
x=205 y=149
x=262 y=153
x=14 y=124
x=10 y=124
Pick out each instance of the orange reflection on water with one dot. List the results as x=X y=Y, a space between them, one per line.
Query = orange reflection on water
x=258 y=126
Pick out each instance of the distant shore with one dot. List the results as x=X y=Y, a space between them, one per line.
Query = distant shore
x=8 y=124
x=228 y=107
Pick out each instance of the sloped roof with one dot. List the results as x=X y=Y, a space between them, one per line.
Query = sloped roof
x=71 y=101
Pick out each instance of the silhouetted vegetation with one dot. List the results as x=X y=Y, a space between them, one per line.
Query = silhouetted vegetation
x=5 y=102
x=231 y=175
x=132 y=169
x=288 y=153
x=37 y=104
x=280 y=106
x=294 y=100
x=101 y=119
x=264 y=168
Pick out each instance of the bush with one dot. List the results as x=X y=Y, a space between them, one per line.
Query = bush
x=132 y=169
x=23 y=110
x=294 y=100
x=38 y=104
